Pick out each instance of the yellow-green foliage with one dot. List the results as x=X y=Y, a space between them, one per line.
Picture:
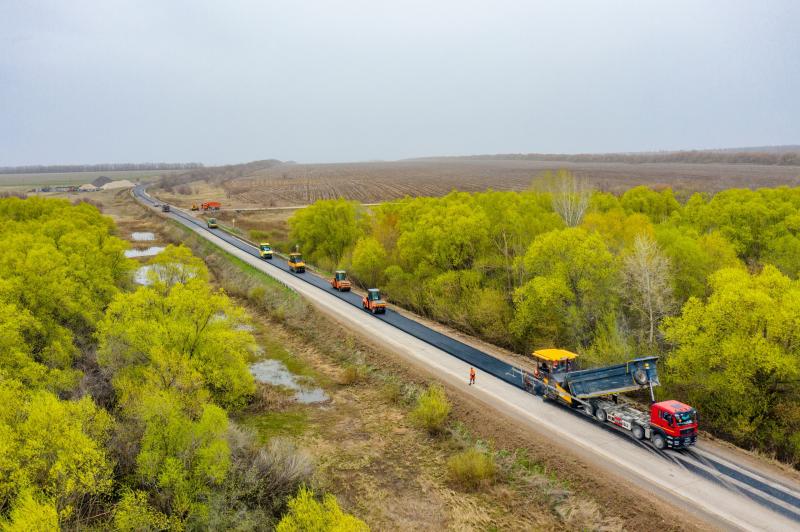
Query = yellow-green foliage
x=471 y=468
x=738 y=355
x=307 y=514
x=326 y=229
x=60 y=265
x=179 y=333
x=369 y=262
x=431 y=410
x=51 y=449
x=174 y=353
x=134 y=513
x=30 y=514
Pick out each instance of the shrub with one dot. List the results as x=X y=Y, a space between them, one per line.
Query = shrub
x=354 y=373
x=306 y=513
x=392 y=391
x=257 y=235
x=432 y=410
x=471 y=469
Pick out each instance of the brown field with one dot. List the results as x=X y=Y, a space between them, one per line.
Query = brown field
x=371 y=182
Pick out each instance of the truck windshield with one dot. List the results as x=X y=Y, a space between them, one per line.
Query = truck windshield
x=297 y=258
x=374 y=296
x=340 y=276
x=265 y=248
x=685 y=418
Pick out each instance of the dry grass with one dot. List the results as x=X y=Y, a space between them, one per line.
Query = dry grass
x=354 y=374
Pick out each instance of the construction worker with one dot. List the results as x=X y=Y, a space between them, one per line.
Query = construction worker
x=471 y=376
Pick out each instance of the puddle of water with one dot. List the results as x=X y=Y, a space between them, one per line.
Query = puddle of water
x=275 y=372
x=142 y=237
x=149 y=252
x=140 y=277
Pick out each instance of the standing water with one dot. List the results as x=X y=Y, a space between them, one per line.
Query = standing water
x=276 y=373
x=142 y=236
x=149 y=252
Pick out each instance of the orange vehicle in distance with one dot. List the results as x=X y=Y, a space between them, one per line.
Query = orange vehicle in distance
x=340 y=281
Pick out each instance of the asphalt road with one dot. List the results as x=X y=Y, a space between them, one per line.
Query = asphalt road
x=724 y=491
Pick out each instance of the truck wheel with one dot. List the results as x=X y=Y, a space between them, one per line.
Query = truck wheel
x=600 y=414
x=659 y=442
x=638 y=432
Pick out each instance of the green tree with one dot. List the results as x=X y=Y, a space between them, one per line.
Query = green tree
x=175 y=265
x=737 y=358
x=191 y=328
x=573 y=279
x=306 y=514
x=448 y=234
x=693 y=258
x=133 y=513
x=52 y=447
x=369 y=262
x=180 y=457
x=658 y=206
x=30 y=513
x=326 y=229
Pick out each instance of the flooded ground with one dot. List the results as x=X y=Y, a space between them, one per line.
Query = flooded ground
x=140 y=276
x=275 y=372
x=138 y=236
x=147 y=252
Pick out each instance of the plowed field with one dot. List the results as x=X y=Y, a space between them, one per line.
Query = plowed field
x=296 y=184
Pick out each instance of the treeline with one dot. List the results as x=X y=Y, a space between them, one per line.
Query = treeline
x=710 y=285
x=767 y=157
x=112 y=167
x=115 y=401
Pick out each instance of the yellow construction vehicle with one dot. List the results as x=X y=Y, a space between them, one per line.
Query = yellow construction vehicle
x=551 y=367
x=265 y=250
x=195 y=207
x=296 y=263
x=212 y=223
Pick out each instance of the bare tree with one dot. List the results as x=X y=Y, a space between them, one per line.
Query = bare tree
x=648 y=289
x=570 y=195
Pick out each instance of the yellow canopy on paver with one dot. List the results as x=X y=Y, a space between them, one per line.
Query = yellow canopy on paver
x=554 y=355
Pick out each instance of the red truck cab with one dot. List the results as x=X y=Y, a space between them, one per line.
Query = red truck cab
x=673 y=424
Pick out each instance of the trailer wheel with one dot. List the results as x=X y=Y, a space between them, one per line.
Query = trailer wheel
x=638 y=432
x=600 y=414
x=659 y=442
x=640 y=376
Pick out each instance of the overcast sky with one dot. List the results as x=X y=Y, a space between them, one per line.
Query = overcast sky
x=234 y=81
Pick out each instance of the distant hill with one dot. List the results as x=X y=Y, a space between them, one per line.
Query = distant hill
x=765 y=155
x=102 y=180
